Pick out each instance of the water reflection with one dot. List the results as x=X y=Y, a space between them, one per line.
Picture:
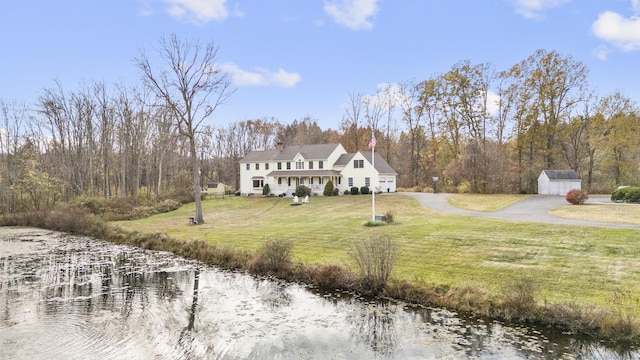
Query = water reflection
x=64 y=297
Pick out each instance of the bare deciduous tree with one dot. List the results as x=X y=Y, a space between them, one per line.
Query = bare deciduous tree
x=192 y=87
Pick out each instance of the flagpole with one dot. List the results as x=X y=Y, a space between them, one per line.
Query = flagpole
x=373 y=163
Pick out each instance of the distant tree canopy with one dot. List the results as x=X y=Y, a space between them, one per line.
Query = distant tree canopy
x=476 y=128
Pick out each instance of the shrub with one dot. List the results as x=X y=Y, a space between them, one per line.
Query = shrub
x=629 y=194
x=273 y=258
x=347 y=192
x=633 y=195
x=374 y=258
x=519 y=299
x=576 y=196
x=364 y=190
x=388 y=217
x=619 y=194
x=417 y=188
x=328 y=189
x=303 y=191
x=330 y=277
x=266 y=189
x=354 y=190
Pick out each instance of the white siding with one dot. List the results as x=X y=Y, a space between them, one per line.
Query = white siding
x=548 y=186
x=359 y=174
x=384 y=182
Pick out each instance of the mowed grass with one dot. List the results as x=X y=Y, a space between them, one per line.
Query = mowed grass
x=482 y=202
x=617 y=213
x=570 y=263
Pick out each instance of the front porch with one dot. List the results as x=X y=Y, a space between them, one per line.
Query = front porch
x=286 y=182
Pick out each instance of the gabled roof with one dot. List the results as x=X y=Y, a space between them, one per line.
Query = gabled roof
x=381 y=165
x=308 y=152
x=561 y=174
x=344 y=159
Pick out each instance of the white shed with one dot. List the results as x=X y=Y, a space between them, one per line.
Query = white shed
x=558 y=182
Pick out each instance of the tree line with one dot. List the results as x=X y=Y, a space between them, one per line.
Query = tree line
x=476 y=128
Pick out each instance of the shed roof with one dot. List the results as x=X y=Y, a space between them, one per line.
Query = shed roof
x=561 y=174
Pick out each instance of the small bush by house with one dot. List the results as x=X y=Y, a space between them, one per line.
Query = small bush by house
x=328 y=189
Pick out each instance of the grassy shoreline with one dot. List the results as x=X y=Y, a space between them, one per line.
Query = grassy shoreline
x=579 y=279
x=572 y=263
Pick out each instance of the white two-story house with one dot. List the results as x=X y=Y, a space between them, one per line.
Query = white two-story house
x=286 y=167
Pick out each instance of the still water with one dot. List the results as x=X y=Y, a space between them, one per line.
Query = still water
x=68 y=297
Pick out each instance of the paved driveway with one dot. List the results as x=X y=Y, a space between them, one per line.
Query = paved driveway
x=532 y=209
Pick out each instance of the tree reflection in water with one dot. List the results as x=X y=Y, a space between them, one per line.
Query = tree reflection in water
x=373 y=324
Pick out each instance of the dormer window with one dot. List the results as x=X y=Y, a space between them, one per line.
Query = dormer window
x=299 y=165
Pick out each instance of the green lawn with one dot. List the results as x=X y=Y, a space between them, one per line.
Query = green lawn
x=585 y=264
x=484 y=202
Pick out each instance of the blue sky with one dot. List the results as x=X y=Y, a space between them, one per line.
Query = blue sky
x=296 y=58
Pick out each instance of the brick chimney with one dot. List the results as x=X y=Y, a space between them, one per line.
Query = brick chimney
x=280 y=146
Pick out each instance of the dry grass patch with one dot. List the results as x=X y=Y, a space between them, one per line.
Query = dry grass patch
x=484 y=202
x=615 y=213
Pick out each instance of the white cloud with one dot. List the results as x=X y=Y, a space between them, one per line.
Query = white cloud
x=493 y=103
x=195 y=11
x=260 y=77
x=622 y=32
x=353 y=14
x=533 y=9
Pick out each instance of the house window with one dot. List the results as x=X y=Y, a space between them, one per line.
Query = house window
x=288 y=181
x=299 y=165
x=288 y=165
x=350 y=182
x=311 y=181
x=279 y=181
x=266 y=166
x=340 y=180
x=257 y=166
x=358 y=164
x=310 y=165
x=279 y=165
x=320 y=165
x=258 y=183
x=367 y=182
x=248 y=167
x=320 y=180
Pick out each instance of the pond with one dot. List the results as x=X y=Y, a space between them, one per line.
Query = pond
x=69 y=297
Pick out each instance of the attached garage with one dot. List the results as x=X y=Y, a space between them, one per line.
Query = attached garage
x=558 y=182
